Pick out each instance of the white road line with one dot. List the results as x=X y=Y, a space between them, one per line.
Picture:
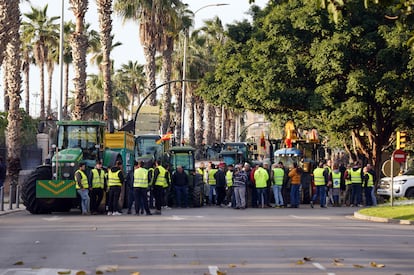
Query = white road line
x=321 y=267
x=54 y=218
x=309 y=218
x=212 y=269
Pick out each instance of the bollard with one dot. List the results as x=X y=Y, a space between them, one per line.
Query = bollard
x=2 y=198
x=11 y=197
x=17 y=196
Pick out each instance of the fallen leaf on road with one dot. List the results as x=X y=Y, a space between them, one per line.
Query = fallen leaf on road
x=174 y=255
x=300 y=262
x=133 y=257
x=232 y=265
x=374 y=264
x=338 y=264
x=337 y=260
x=98 y=272
x=308 y=259
x=81 y=272
x=135 y=273
x=64 y=272
x=221 y=272
x=19 y=263
x=358 y=266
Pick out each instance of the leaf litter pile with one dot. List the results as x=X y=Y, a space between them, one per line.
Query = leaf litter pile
x=340 y=262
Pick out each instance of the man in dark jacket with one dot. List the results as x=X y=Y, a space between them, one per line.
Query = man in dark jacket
x=180 y=183
x=220 y=177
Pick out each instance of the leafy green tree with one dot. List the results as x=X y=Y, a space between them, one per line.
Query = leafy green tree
x=348 y=79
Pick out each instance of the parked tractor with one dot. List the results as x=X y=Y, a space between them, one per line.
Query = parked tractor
x=235 y=152
x=51 y=186
x=184 y=156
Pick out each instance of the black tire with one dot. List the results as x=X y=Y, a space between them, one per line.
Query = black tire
x=198 y=196
x=42 y=206
x=410 y=193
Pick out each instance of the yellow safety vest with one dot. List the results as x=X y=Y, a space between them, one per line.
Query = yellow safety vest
x=161 y=180
x=98 y=179
x=113 y=178
x=336 y=179
x=318 y=176
x=211 y=179
x=84 y=180
x=278 y=175
x=261 y=176
x=141 y=178
x=370 y=182
x=229 y=178
x=356 y=176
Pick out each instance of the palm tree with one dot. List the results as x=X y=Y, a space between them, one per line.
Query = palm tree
x=68 y=29
x=144 y=11
x=51 y=61
x=174 y=16
x=10 y=53
x=105 y=24
x=28 y=59
x=43 y=33
x=132 y=78
x=79 y=43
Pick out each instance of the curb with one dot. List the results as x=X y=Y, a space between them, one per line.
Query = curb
x=383 y=220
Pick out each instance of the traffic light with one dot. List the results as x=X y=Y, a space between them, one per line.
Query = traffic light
x=401 y=139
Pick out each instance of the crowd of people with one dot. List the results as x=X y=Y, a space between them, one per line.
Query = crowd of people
x=261 y=186
x=236 y=186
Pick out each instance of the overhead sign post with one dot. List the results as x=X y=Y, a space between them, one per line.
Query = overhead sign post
x=400 y=157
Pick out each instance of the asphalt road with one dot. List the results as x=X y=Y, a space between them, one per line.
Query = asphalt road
x=204 y=240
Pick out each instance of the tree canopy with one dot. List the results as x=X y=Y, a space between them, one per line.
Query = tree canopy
x=348 y=78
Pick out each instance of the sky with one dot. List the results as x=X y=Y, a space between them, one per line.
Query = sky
x=127 y=32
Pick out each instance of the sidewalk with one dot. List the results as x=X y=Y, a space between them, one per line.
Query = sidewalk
x=6 y=206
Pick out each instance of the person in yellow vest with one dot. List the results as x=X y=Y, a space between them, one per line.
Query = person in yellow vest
x=373 y=178
x=230 y=200
x=261 y=177
x=115 y=181
x=348 y=185
x=141 y=184
x=82 y=188
x=277 y=177
x=211 y=181
x=159 y=181
x=98 y=181
x=356 y=176
x=335 y=179
x=320 y=179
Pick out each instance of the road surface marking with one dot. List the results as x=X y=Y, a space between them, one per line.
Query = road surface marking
x=321 y=267
x=213 y=269
x=309 y=218
x=54 y=218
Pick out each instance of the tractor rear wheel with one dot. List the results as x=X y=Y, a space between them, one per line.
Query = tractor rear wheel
x=34 y=205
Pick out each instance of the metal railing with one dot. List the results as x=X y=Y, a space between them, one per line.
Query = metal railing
x=14 y=197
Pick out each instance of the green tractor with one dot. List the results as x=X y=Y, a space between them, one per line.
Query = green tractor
x=184 y=156
x=51 y=187
x=235 y=152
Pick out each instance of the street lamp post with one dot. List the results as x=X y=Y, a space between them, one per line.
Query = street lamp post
x=183 y=91
x=62 y=23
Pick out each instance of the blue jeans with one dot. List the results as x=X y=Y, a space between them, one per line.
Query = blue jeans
x=277 y=192
x=85 y=200
x=294 y=194
x=261 y=196
x=212 y=193
x=181 y=193
x=321 y=193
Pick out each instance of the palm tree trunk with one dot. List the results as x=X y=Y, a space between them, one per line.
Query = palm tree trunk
x=42 y=91
x=65 y=108
x=166 y=98
x=149 y=53
x=199 y=134
x=26 y=72
x=6 y=95
x=217 y=122
x=210 y=124
x=178 y=98
x=50 y=67
x=105 y=24
x=13 y=85
x=191 y=120
x=79 y=43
